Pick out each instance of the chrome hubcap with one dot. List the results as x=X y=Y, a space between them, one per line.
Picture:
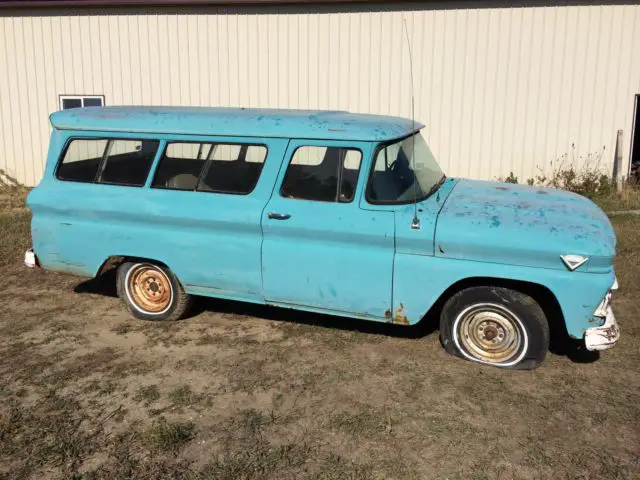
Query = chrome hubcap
x=490 y=333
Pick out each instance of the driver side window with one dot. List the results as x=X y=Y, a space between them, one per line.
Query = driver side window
x=386 y=156
x=391 y=175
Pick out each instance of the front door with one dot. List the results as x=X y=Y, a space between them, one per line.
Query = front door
x=320 y=250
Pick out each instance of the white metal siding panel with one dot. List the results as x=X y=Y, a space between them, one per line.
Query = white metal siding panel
x=499 y=89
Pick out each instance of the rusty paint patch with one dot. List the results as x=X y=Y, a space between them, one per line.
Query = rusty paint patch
x=399 y=316
x=502 y=188
x=387 y=314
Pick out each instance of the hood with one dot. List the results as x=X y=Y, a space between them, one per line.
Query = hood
x=520 y=225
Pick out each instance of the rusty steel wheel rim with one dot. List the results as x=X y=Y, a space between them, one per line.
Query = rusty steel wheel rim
x=149 y=289
x=491 y=334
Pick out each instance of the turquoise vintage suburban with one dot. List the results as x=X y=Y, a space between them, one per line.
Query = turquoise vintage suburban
x=320 y=211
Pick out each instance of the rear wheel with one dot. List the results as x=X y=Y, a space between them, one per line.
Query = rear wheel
x=495 y=326
x=151 y=292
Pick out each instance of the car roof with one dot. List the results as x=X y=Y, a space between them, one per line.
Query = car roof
x=245 y=122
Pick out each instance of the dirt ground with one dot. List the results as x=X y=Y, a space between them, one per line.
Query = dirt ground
x=242 y=392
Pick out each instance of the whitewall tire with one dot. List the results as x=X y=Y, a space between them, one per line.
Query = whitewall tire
x=495 y=326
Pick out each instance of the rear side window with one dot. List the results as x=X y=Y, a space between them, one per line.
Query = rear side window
x=115 y=161
x=81 y=160
x=324 y=174
x=128 y=162
x=211 y=167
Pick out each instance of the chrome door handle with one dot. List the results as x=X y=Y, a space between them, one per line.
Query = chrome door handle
x=278 y=216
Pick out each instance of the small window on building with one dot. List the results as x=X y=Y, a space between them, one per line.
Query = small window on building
x=233 y=168
x=181 y=165
x=325 y=174
x=128 y=162
x=79 y=101
x=81 y=160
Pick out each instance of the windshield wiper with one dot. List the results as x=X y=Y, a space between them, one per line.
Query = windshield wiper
x=436 y=186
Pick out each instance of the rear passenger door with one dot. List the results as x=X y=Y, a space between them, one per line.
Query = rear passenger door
x=208 y=195
x=320 y=250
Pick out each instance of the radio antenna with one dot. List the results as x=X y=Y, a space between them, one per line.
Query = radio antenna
x=415 y=223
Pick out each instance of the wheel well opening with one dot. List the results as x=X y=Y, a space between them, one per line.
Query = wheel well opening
x=115 y=261
x=541 y=294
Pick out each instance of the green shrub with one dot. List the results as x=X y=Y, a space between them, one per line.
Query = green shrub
x=587 y=180
x=510 y=179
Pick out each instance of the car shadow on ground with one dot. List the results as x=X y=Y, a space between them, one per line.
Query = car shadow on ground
x=561 y=343
x=105 y=285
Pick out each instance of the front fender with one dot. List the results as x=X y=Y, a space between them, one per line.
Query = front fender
x=419 y=281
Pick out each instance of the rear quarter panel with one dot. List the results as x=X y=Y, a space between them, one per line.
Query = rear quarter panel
x=207 y=239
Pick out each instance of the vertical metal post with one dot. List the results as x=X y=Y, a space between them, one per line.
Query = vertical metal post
x=617 y=163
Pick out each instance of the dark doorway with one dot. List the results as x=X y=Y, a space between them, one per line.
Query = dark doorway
x=635 y=142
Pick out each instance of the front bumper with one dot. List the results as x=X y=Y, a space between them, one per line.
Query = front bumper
x=606 y=335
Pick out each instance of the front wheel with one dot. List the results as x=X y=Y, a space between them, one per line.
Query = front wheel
x=495 y=326
x=151 y=292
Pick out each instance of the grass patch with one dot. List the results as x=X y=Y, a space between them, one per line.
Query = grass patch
x=182 y=396
x=14 y=221
x=253 y=421
x=362 y=423
x=166 y=436
x=147 y=394
x=12 y=194
x=336 y=467
x=628 y=253
x=52 y=431
x=207 y=339
x=101 y=387
x=122 y=329
x=628 y=198
x=16 y=236
x=258 y=459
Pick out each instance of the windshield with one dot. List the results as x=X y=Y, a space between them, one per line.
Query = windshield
x=394 y=178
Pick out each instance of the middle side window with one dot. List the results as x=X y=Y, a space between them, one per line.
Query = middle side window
x=210 y=167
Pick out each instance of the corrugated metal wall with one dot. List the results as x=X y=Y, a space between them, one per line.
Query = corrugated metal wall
x=500 y=89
